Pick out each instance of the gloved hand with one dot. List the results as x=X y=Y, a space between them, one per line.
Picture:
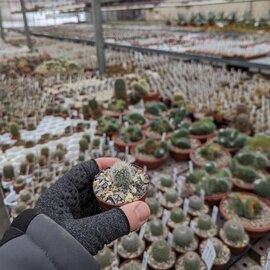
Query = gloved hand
x=71 y=203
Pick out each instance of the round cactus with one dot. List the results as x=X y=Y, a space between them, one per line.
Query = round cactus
x=234 y=231
x=42 y=161
x=19 y=181
x=104 y=258
x=166 y=182
x=161 y=251
x=153 y=205
x=45 y=151
x=84 y=145
x=121 y=174
x=171 y=196
x=8 y=171
x=217 y=245
x=131 y=242
x=191 y=261
x=59 y=154
x=151 y=192
x=14 y=129
x=20 y=207
x=25 y=195
x=204 y=222
x=156 y=227
x=30 y=157
x=177 y=215
x=183 y=236
x=195 y=202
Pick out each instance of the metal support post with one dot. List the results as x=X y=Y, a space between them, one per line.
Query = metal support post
x=96 y=11
x=1 y=26
x=26 y=28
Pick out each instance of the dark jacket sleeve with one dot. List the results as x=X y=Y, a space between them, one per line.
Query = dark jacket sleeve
x=34 y=241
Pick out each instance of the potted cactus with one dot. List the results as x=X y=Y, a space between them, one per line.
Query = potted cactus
x=59 y=155
x=14 y=131
x=120 y=184
x=234 y=236
x=19 y=184
x=196 y=206
x=116 y=107
x=190 y=260
x=165 y=182
x=151 y=193
x=151 y=153
x=262 y=187
x=250 y=210
x=210 y=152
x=171 y=199
x=131 y=265
x=18 y=209
x=154 y=109
x=177 y=115
x=161 y=257
x=84 y=145
x=23 y=167
x=95 y=109
x=231 y=139
x=26 y=197
x=246 y=167
x=134 y=118
x=205 y=227
x=143 y=89
x=181 y=144
x=45 y=151
x=131 y=246
x=106 y=259
x=177 y=217
x=157 y=127
x=184 y=239
x=155 y=230
x=155 y=208
x=108 y=125
x=120 y=91
x=202 y=130
x=128 y=137
x=214 y=181
x=30 y=158
x=223 y=253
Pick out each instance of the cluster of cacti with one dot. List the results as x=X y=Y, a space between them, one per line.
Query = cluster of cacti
x=177 y=215
x=117 y=105
x=160 y=125
x=84 y=145
x=131 y=134
x=8 y=171
x=211 y=151
x=262 y=187
x=95 y=108
x=230 y=138
x=120 y=91
x=181 y=139
x=246 y=206
x=203 y=127
x=108 y=124
x=234 y=231
x=121 y=174
x=178 y=114
x=156 y=227
x=154 y=148
x=135 y=119
x=14 y=130
x=131 y=242
x=104 y=258
x=183 y=236
x=191 y=261
x=155 y=108
x=141 y=88
x=160 y=251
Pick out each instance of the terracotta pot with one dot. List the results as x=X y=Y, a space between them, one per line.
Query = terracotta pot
x=241 y=185
x=251 y=230
x=203 y=138
x=152 y=97
x=121 y=146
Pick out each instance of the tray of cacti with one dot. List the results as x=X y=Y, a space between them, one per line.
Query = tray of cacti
x=155 y=230
x=154 y=109
x=210 y=152
x=223 y=253
x=151 y=153
x=157 y=127
x=128 y=137
x=247 y=166
x=177 y=217
x=161 y=256
x=106 y=259
x=181 y=144
x=120 y=184
x=143 y=89
x=116 y=108
x=108 y=125
x=203 y=130
x=249 y=209
x=215 y=182
x=134 y=118
x=231 y=139
x=190 y=260
x=204 y=226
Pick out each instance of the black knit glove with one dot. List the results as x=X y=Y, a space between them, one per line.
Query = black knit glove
x=71 y=203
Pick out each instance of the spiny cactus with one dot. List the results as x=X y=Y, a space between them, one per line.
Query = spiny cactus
x=155 y=108
x=191 y=261
x=178 y=115
x=161 y=251
x=202 y=127
x=135 y=119
x=14 y=130
x=108 y=124
x=217 y=245
x=59 y=155
x=262 y=187
x=204 y=222
x=25 y=196
x=19 y=181
x=242 y=123
x=121 y=174
x=195 y=203
x=42 y=161
x=166 y=182
x=142 y=88
x=156 y=227
x=156 y=148
x=30 y=157
x=153 y=205
x=120 y=91
x=104 y=258
x=177 y=215
x=20 y=207
x=234 y=231
x=132 y=265
x=171 y=196
x=178 y=100
x=183 y=236
x=8 y=171
x=131 y=242
x=23 y=167
x=84 y=145
x=260 y=142
x=132 y=133
x=117 y=105
x=160 y=125
x=45 y=151
x=211 y=151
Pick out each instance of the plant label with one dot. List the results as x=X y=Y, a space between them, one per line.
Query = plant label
x=179 y=187
x=193 y=225
x=214 y=214
x=186 y=204
x=202 y=195
x=126 y=124
x=145 y=260
x=171 y=121
x=145 y=168
x=159 y=197
x=165 y=217
x=209 y=254
x=190 y=165
x=142 y=231
x=115 y=247
x=170 y=239
x=174 y=174
x=163 y=136
x=120 y=118
x=267 y=266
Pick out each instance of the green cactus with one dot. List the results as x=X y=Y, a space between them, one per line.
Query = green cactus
x=242 y=123
x=19 y=181
x=171 y=196
x=132 y=265
x=14 y=129
x=23 y=167
x=195 y=203
x=95 y=108
x=117 y=105
x=166 y=182
x=43 y=187
x=135 y=119
x=104 y=258
x=151 y=192
x=262 y=187
x=120 y=91
x=160 y=125
x=178 y=100
x=183 y=236
x=108 y=124
x=20 y=207
x=191 y=261
x=131 y=242
x=234 y=231
x=156 y=227
x=196 y=176
x=121 y=174
x=84 y=145
x=177 y=215
x=142 y=88
x=155 y=108
x=81 y=158
x=204 y=222
x=154 y=148
x=25 y=196
x=153 y=205
x=211 y=151
x=42 y=161
x=45 y=151
x=131 y=134
x=202 y=127
x=260 y=142
x=160 y=251
x=230 y=138
x=217 y=245
x=178 y=115
x=8 y=171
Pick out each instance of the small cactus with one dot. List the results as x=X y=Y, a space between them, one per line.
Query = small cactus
x=166 y=182
x=153 y=205
x=84 y=145
x=95 y=108
x=161 y=251
x=183 y=236
x=104 y=258
x=171 y=196
x=135 y=119
x=120 y=91
x=23 y=168
x=117 y=105
x=151 y=192
x=19 y=182
x=45 y=151
x=242 y=123
x=156 y=227
x=14 y=130
x=25 y=196
x=177 y=215
x=160 y=125
x=20 y=207
x=42 y=161
x=262 y=187
x=59 y=155
x=140 y=88
x=30 y=157
x=202 y=127
x=8 y=171
x=191 y=261
x=121 y=174
x=234 y=231
x=195 y=203
x=204 y=222
x=131 y=242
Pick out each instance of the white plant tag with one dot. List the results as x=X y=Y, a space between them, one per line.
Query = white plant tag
x=115 y=247
x=193 y=225
x=142 y=231
x=165 y=217
x=209 y=255
x=145 y=168
x=214 y=214
x=190 y=165
x=126 y=124
x=174 y=174
x=170 y=239
x=145 y=260
x=163 y=136
x=267 y=266
x=179 y=188
x=120 y=118
x=186 y=204
x=202 y=195
x=171 y=121
x=126 y=150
